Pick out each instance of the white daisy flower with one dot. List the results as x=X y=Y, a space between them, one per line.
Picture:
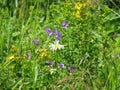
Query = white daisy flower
x=56 y=45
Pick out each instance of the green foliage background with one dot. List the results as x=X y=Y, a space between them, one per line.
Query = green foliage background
x=92 y=45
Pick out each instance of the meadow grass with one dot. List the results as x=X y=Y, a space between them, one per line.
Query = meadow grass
x=65 y=45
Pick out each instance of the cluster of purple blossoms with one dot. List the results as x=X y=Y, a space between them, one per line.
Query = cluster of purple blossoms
x=50 y=33
x=70 y=69
x=64 y=25
x=56 y=32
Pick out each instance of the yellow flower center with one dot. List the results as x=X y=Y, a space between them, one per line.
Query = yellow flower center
x=56 y=46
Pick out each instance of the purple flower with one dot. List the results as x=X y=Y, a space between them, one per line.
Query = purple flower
x=50 y=63
x=48 y=31
x=36 y=41
x=61 y=66
x=71 y=69
x=58 y=35
x=64 y=24
x=29 y=55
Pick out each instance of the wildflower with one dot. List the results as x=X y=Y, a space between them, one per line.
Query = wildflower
x=29 y=55
x=17 y=57
x=36 y=41
x=50 y=63
x=71 y=69
x=52 y=70
x=78 y=5
x=37 y=50
x=64 y=24
x=11 y=57
x=77 y=14
x=58 y=35
x=48 y=31
x=56 y=46
x=14 y=48
x=61 y=65
x=44 y=53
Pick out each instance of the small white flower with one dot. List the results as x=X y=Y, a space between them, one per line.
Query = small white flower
x=52 y=71
x=56 y=46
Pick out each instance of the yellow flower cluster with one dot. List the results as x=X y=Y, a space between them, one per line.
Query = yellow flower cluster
x=77 y=14
x=79 y=5
x=11 y=57
x=44 y=53
x=80 y=9
x=14 y=48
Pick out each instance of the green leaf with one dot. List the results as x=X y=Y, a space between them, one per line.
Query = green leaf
x=16 y=34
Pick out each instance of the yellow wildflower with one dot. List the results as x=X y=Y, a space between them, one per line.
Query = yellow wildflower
x=78 y=5
x=44 y=53
x=77 y=14
x=11 y=57
x=14 y=48
x=17 y=57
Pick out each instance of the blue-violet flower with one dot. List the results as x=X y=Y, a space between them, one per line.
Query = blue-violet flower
x=64 y=24
x=61 y=65
x=48 y=31
x=71 y=69
x=58 y=35
x=36 y=41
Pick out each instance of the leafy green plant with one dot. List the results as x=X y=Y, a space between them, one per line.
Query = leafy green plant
x=60 y=45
